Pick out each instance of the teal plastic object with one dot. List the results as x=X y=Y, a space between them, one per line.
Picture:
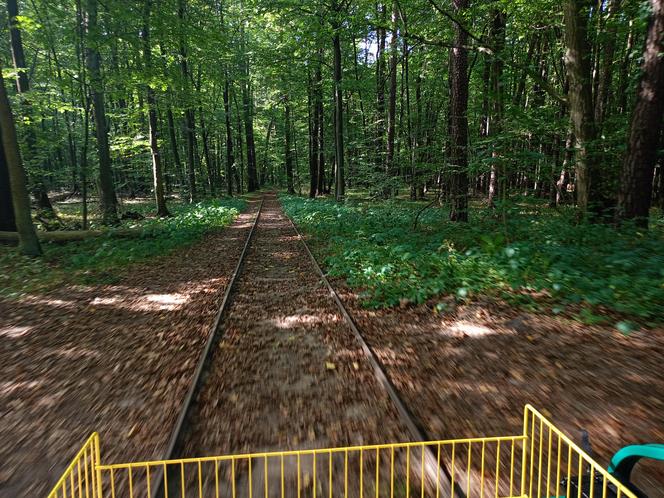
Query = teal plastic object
x=626 y=458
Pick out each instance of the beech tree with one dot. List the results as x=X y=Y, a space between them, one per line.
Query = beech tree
x=185 y=99
x=27 y=237
x=636 y=185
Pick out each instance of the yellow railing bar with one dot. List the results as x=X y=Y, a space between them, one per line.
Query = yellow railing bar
x=247 y=456
x=91 y=443
x=622 y=490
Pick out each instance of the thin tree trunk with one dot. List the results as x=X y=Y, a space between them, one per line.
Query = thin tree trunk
x=340 y=190
x=239 y=172
x=263 y=177
x=591 y=191
x=157 y=176
x=206 y=153
x=174 y=144
x=392 y=102
x=84 y=162
x=230 y=159
x=635 y=195
x=320 y=119
x=108 y=199
x=624 y=71
x=458 y=120
x=606 y=76
x=189 y=123
x=313 y=139
x=380 y=90
x=495 y=121
x=23 y=87
x=288 y=153
x=27 y=236
x=247 y=106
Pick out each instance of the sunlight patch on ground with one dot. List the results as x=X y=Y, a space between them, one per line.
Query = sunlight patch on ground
x=163 y=301
x=14 y=332
x=75 y=353
x=9 y=387
x=49 y=301
x=288 y=322
x=463 y=328
x=97 y=301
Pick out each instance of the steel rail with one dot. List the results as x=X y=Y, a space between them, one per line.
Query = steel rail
x=175 y=442
x=417 y=431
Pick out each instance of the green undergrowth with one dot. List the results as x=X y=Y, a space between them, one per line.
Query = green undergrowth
x=536 y=258
x=100 y=259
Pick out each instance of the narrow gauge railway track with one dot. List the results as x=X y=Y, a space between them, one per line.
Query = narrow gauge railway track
x=174 y=485
x=415 y=428
x=175 y=439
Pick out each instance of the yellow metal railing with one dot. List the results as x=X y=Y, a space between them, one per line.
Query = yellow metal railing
x=557 y=467
x=82 y=478
x=539 y=463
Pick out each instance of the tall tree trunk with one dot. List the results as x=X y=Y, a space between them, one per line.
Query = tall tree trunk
x=189 y=123
x=157 y=176
x=320 y=119
x=340 y=190
x=23 y=87
x=458 y=119
x=288 y=153
x=174 y=144
x=263 y=176
x=108 y=199
x=606 y=76
x=380 y=88
x=239 y=172
x=209 y=165
x=635 y=195
x=494 y=126
x=7 y=220
x=625 y=68
x=592 y=194
x=27 y=237
x=521 y=84
x=247 y=107
x=313 y=139
x=392 y=102
x=230 y=159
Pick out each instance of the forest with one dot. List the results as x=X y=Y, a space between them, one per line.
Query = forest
x=232 y=225
x=526 y=117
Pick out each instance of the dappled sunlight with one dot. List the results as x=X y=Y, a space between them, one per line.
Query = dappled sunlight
x=76 y=353
x=298 y=320
x=10 y=387
x=50 y=301
x=162 y=302
x=464 y=328
x=106 y=301
x=284 y=255
x=15 y=332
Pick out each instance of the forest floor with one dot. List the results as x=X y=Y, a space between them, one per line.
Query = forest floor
x=118 y=359
x=466 y=365
x=470 y=372
x=115 y=358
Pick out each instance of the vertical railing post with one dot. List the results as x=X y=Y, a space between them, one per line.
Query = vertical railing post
x=525 y=446
x=97 y=463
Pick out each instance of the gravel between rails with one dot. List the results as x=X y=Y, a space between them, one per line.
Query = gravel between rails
x=287 y=373
x=116 y=359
